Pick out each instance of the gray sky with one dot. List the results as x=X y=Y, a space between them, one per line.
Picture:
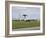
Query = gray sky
x=31 y=12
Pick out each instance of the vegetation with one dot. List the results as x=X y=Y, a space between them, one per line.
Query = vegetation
x=16 y=24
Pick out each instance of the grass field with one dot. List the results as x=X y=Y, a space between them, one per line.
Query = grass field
x=24 y=24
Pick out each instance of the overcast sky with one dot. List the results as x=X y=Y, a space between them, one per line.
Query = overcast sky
x=31 y=12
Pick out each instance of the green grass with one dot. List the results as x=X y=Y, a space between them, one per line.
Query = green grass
x=24 y=24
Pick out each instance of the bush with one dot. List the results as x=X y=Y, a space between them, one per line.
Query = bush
x=28 y=20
